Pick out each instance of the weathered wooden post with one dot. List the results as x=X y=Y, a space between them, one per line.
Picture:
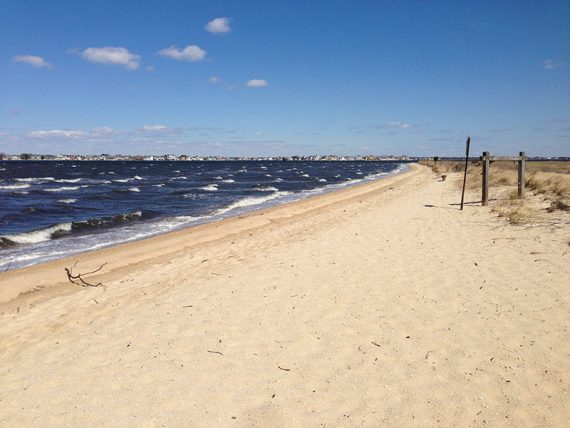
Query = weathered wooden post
x=467 y=144
x=521 y=165
x=485 y=187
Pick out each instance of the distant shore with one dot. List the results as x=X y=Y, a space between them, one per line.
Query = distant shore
x=186 y=158
x=379 y=304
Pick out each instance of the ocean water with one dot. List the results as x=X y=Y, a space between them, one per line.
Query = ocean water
x=51 y=209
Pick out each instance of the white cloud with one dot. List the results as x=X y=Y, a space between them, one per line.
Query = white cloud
x=551 y=64
x=191 y=53
x=257 y=83
x=34 y=61
x=218 y=26
x=150 y=68
x=154 y=128
x=57 y=133
x=112 y=55
x=214 y=79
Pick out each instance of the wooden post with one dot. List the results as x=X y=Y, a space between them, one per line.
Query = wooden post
x=485 y=186
x=468 y=143
x=521 y=165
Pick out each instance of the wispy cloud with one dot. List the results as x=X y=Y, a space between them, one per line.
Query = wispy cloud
x=397 y=124
x=190 y=53
x=112 y=55
x=442 y=139
x=33 y=60
x=218 y=26
x=559 y=120
x=257 y=83
x=155 y=128
x=57 y=133
x=103 y=131
x=500 y=130
x=552 y=64
x=214 y=80
x=150 y=139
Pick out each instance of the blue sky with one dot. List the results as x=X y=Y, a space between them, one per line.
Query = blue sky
x=284 y=77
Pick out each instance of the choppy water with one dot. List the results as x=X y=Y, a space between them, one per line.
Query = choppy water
x=53 y=209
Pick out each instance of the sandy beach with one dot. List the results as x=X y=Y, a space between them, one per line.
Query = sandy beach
x=377 y=305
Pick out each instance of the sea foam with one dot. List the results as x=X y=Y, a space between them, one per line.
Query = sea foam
x=210 y=188
x=62 y=189
x=35 y=179
x=15 y=186
x=34 y=236
x=250 y=201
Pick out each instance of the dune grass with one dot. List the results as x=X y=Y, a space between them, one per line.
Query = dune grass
x=550 y=180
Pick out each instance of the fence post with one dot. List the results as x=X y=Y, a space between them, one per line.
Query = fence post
x=467 y=144
x=521 y=165
x=485 y=186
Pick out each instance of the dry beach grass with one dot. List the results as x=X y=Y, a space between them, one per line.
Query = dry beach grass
x=547 y=184
x=380 y=305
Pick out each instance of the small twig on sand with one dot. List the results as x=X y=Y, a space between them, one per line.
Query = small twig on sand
x=78 y=280
x=283 y=368
x=374 y=343
x=215 y=352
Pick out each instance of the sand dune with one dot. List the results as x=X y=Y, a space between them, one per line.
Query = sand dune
x=380 y=305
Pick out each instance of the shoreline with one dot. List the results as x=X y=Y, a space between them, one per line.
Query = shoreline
x=51 y=274
x=379 y=305
x=218 y=213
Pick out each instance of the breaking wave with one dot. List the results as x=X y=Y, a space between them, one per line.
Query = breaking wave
x=35 y=179
x=68 y=180
x=266 y=189
x=35 y=236
x=63 y=229
x=15 y=186
x=210 y=188
x=62 y=189
x=250 y=201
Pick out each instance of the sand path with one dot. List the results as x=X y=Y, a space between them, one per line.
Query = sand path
x=383 y=306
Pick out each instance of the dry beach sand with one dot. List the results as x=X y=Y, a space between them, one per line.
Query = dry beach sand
x=379 y=305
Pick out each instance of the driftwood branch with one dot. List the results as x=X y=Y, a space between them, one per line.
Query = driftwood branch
x=77 y=279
